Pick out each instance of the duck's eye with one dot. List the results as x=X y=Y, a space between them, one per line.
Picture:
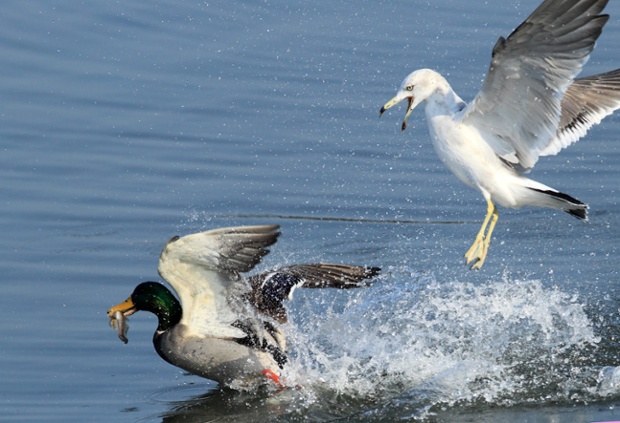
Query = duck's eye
x=409 y=88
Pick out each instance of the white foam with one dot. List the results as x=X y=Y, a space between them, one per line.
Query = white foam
x=413 y=337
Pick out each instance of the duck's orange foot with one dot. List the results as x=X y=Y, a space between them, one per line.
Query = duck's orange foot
x=274 y=377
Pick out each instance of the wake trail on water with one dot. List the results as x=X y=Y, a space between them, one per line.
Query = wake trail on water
x=413 y=342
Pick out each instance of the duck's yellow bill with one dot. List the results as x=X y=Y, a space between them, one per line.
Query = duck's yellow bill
x=127 y=307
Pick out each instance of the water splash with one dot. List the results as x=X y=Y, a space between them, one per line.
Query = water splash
x=413 y=343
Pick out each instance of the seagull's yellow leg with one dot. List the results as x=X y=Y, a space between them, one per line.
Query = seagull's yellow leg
x=477 y=253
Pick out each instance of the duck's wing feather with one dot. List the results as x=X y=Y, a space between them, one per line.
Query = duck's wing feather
x=586 y=102
x=204 y=269
x=271 y=288
x=519 y=106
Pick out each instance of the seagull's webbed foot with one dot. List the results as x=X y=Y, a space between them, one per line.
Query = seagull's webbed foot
x=477 y=253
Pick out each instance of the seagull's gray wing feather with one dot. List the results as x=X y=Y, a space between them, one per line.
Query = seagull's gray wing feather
x=586 y=102
x=519 y=106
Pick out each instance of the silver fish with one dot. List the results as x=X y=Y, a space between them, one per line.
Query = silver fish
x=118 y=321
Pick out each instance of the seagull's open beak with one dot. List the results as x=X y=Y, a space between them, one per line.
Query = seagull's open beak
x=396 y=100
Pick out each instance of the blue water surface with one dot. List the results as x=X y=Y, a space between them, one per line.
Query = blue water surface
x=125 y=123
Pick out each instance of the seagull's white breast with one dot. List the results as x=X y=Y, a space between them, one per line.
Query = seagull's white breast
x=461 y=148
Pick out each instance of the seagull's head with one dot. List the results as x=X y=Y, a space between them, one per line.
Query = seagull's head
x=415 y=88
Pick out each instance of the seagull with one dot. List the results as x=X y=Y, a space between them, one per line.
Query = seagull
x=531 y=104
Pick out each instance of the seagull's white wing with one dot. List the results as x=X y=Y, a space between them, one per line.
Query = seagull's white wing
x=204 y=268
x=519 y=106
x=586 y=102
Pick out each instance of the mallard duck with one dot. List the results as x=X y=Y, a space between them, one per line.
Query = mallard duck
x=225 y=327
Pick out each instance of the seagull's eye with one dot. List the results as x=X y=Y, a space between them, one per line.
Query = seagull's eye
x=409 y=88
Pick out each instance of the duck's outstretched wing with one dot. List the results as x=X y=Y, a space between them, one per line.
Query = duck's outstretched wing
x=271 y=288
x=231 y=250
x=586 y=102
x=204 y=269
x=519 y=106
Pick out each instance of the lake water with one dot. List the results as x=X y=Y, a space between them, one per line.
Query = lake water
x=124 y=123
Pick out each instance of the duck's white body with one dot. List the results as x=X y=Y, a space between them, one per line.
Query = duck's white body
x=219 y=359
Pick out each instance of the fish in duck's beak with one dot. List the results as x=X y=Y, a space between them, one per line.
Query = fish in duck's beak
x=118 y=317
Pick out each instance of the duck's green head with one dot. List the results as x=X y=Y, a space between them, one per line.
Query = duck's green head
x=153 y=297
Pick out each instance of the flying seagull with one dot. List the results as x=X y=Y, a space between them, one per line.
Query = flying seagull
x=531 y=104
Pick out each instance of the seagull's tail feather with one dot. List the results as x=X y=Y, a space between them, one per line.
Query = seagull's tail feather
x=549 y=197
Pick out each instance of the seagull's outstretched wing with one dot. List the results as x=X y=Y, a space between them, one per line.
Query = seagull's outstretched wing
x=271 y=288
x=586 y=102
x=204 y=269
x=519 y=106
